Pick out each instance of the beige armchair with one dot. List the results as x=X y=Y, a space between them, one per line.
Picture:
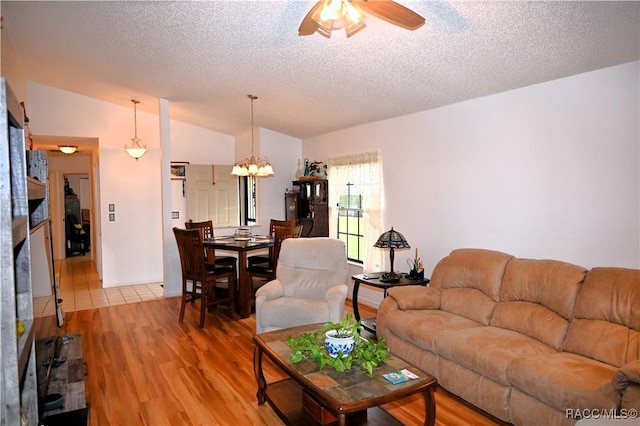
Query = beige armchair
x=310 y=285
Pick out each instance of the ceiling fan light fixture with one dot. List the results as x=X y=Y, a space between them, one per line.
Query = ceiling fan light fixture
x=353 y=13
x=336 y=14
x=328 y=15
x=68 y=149
x=135 y=150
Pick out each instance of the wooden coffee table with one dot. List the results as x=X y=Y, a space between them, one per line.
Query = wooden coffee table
x=314 y=396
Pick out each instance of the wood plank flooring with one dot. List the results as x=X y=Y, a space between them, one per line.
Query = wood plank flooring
x=144 y=368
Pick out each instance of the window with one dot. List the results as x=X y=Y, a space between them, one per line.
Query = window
x=356 y=180
x=247 y=200
x=350 y=225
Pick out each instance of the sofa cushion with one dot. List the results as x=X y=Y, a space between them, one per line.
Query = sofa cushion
x=469 y=280
x=631 y=398
x=421 y=327
x=606 y=322
x=565 y=381
x=284 y=311
x=628 y=375
x=488 y=350
x=415 y=297
x=537 y=298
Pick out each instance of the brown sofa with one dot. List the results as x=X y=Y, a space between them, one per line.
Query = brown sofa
x=531 y=342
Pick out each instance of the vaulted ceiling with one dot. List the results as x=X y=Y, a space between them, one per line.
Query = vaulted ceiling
x=206 y=56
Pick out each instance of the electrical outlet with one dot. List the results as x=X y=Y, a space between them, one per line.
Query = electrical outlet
x=112 y=217
x=175 y=215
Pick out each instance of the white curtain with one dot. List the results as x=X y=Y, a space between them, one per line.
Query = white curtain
x=364 y=171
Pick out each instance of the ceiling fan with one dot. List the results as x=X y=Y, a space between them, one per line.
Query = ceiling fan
x=327 y=15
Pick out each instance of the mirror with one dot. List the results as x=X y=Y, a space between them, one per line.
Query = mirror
x=205 y=192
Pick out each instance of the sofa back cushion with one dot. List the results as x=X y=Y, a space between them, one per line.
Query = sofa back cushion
x=537 y=298
x=606 y=324
x=469 y=281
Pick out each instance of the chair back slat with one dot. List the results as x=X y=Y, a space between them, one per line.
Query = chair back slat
x=280 y=234
x=206 y=231
x=273 y=223
x=191 y=252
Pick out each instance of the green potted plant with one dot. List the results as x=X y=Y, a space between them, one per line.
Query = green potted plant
x=364 y=352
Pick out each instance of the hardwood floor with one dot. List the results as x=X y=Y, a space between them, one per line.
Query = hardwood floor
x=144 y=368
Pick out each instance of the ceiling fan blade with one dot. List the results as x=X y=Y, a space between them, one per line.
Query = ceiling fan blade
x=392 y=12
x=308 y=25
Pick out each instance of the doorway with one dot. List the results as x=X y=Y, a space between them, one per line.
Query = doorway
x=77 y=214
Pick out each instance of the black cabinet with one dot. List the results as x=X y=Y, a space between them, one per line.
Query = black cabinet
x=308 y=203
x=77 y=235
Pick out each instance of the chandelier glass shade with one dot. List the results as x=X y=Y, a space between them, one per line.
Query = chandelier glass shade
x=68 y=149
x=135 y=150
x=336 y=14
x=253 y=166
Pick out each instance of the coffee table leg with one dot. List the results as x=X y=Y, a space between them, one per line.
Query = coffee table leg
x=342 y=420
x=430 y=407
x=257 y=370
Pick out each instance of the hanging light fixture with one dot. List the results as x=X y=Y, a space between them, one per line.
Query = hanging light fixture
x=253 y=166
x=336 y=14
x=135 y=150
x=68 y=149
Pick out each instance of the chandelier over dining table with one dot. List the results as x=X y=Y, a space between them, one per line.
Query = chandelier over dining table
x=253 y=166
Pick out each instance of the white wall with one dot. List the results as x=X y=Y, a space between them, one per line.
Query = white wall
x=194 y=145
x=132 y=244
x=546 y=171
x=283 y=152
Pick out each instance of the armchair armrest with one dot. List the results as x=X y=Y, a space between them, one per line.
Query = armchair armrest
x=338 y=292
x=271 y=290
x=415 y=297
x=628 y=374
x=335 y=298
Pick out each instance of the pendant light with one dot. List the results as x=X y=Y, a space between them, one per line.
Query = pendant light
x=135 y=150
x=253 y=166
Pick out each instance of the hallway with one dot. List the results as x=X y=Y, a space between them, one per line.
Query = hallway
x=81 y=289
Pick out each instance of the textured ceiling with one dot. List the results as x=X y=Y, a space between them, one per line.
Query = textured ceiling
x=205 y=57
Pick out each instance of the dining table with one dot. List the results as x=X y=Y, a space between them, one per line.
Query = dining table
x=241 y=245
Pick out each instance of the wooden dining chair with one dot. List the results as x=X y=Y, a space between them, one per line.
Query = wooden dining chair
x=203 y=277
x=266 y=258
x=206 y=231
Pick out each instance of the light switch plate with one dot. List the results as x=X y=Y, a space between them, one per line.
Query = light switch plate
x=175 y=215
x=112 y=217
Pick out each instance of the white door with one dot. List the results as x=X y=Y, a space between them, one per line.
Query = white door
x=212 y=193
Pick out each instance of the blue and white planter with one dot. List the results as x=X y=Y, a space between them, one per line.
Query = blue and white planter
x=335 y=345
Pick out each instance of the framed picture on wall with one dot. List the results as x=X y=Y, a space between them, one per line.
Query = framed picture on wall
x=178 y=170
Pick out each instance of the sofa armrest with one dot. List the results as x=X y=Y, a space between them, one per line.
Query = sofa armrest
x=628 y=374
x=271 y=290
x=413 y=297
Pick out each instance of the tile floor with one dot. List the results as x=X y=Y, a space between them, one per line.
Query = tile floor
x=80 y=289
